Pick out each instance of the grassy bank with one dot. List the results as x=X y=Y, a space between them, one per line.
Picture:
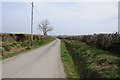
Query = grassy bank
x=70 y=68
x=107 y=42
x=16 y=48
x=92 y=62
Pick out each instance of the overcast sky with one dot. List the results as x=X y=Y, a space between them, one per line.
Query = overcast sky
x=65 y=17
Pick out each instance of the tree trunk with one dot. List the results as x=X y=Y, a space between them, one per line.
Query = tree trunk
x=45 y=33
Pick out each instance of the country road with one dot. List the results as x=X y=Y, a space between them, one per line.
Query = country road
x=44 y=62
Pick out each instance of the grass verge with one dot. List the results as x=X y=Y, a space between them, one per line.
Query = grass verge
x=24 y=50
x=92 y=62
x=69 y=66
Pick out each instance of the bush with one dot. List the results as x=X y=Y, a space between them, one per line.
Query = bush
x=39 y=42
x=7 y=47
x=13 y=44
x=2 y=50
x=24 y=44
x=35 y=43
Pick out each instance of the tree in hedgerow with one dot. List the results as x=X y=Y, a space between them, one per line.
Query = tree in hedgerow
x=45 y=27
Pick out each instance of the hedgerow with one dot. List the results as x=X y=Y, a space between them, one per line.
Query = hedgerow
x=108 y=42
x=21 y=41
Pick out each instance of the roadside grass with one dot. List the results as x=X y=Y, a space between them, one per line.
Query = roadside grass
x=69 y=67
x=92 y=62
x=25 y=50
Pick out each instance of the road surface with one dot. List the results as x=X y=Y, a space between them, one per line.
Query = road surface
x=44 y=62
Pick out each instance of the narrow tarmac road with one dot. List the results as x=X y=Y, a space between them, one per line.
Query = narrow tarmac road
x=44 y=62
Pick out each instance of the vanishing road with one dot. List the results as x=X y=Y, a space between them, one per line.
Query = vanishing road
x=44 y=62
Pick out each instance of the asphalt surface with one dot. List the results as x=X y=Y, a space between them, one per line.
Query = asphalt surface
x=44 y=62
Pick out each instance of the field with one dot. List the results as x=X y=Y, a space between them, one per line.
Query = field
x=12 y=44
x=95 y=56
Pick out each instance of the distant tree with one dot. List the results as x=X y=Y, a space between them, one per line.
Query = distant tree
x=45 y=27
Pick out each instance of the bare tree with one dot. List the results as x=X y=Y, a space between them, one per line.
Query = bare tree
x=45 y=27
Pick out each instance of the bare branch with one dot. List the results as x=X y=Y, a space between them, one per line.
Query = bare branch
x=44 y=26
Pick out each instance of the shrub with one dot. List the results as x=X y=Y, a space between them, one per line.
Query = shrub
x=7 y=47
x=39 y=42
x=2 y=50
x=35 y=43
x=13 y=44
x=24 y=44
